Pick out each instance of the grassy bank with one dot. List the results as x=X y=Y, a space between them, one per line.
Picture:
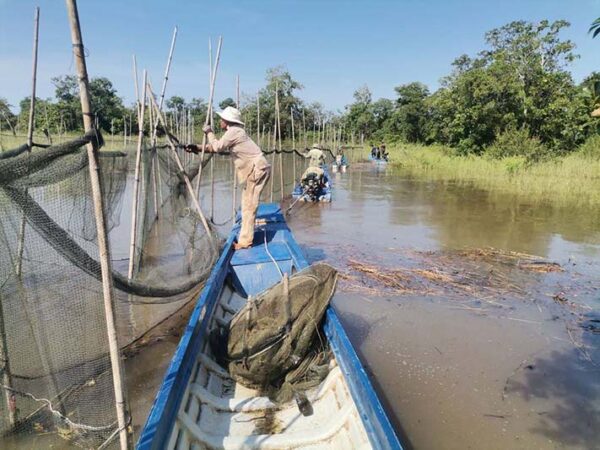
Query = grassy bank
x=571 y=179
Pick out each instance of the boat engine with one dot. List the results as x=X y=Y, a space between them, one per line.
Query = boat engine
x=312 y=185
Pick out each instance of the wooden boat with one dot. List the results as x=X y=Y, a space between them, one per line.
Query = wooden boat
x=339 y=165
x=322 y=194
x=199 y=406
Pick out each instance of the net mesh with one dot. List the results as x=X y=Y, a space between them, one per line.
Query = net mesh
x=55 y=370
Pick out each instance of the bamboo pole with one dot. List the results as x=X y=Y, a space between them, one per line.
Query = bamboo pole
x=154 y=166
x=273 y=160
x=136 y=186
x=36 y=29
x=279 y=135
x=164 y=85
x=211 y=94
x=30 y=127
x=293 y=144
x=104 y=251
x=258 y=119
x=304 y=128
x=9 y=396
x=234 y=196
x=178 y=161
x=209 y=115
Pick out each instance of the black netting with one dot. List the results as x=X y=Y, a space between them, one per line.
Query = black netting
x=55 y=371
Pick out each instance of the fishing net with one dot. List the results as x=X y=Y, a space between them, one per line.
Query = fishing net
x=55 y=371
x=273 y=343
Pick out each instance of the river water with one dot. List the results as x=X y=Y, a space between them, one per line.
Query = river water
x=504 y=358
x=468 y=344
x=483 y=355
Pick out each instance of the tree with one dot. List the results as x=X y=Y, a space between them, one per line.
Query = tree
x=107 y=105
x=360 y=115
x=519 y=81
x=595 y=28
x=411 y=117
x=176 y=103
x=227 y=102
x=277 y=79
x=6 y=115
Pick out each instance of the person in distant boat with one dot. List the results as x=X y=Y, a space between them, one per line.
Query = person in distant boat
x=316 y=155
x=340 y=158
x=383 y=154
x=313 y=182
x=251 y=166
x=375 y=152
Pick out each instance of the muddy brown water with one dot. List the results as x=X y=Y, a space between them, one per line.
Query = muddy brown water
x=477 y=368
x=484 y=355
x=474 y=368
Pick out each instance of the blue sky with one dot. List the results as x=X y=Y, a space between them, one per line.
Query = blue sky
x=331 y=46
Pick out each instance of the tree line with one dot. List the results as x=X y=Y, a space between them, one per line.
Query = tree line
x=515 y=97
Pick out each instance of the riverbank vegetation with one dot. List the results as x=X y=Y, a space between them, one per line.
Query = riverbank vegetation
x=514 y=103
x=572 y=179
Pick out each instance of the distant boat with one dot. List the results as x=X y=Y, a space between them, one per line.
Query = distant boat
x=378 y=160
x=200 y=406
x=340 y=164
x=313 y=190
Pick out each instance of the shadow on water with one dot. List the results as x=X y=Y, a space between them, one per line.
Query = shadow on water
x=358 y=329
x=563 y=388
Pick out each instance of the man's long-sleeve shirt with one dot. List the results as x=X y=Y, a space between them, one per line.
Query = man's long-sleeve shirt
x=316 y=157
x=246 y=154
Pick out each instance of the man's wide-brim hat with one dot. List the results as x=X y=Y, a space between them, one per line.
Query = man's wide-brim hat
x=231 y=115
x=317 y=146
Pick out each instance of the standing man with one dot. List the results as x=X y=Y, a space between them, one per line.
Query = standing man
x=251 y=166
x=317 y=158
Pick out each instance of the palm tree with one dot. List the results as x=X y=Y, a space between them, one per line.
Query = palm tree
x=595 y=28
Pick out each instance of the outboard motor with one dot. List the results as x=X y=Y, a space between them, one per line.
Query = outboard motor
x=312 y=185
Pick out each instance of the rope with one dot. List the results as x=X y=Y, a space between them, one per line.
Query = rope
x=56 y=413
x=271 y=256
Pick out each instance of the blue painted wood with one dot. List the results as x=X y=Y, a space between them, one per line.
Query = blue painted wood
x=163 y=413
x=256 y=255
x=168 y=401
x=254 y=279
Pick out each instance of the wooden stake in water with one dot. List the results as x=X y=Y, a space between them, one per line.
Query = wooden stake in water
x=293 y=144
x=258 y=119
x=188 y=185
x=164 y=85
x=136 y=185
x=102 y=235
x=212 y=160
x=234 y=196
x=36 y=27
x=304 y=129
x=11 y=399
x=211 y=94
x=279 y=135
x=33 y=78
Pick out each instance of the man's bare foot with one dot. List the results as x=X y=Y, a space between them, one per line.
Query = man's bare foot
x=238 y=246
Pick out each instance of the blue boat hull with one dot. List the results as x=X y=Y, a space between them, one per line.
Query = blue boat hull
x=250 y=272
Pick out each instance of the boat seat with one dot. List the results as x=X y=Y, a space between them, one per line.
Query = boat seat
x=248 y=263
x=259 y=255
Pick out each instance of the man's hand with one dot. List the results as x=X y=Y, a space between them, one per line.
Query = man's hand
x=191 y=148
x=207 y=129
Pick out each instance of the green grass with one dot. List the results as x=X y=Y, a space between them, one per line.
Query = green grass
x=111 y=143
x=573 y=179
